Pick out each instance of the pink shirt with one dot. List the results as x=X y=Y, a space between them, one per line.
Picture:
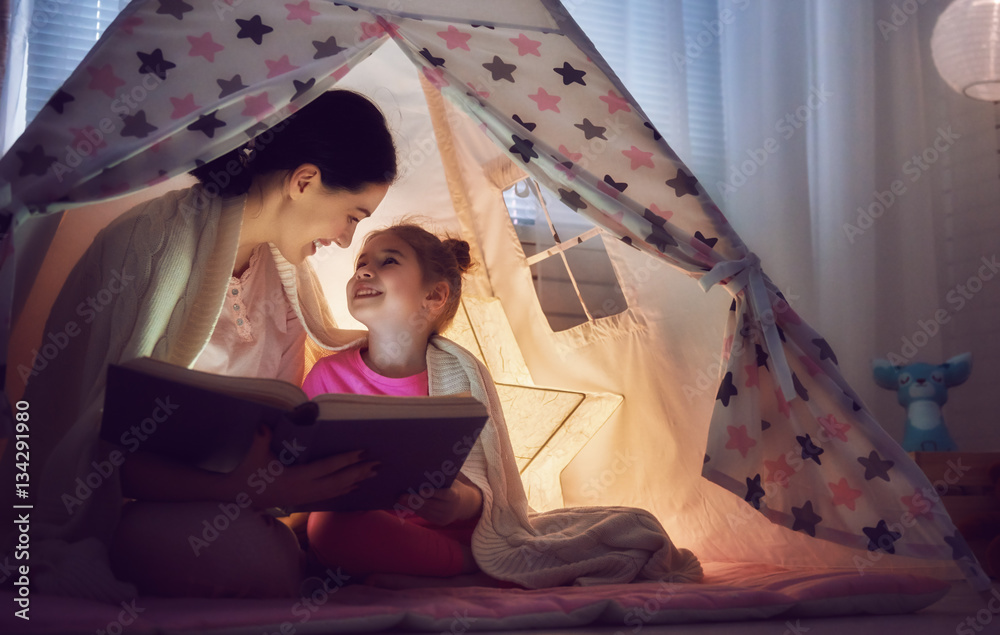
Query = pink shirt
x=258 y=333
x=347 y=373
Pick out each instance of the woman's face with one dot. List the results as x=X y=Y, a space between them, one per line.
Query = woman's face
x=319 y=217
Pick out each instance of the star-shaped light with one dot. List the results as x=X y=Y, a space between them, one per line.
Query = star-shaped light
x=207 y=124
x=590 y=130
x=880 y=537
x=875 y=466
x=806 y=519
x=525 y=45
x=639 y=158
x=683 y=184
x=254 y=29
x=204 y=46
x=301 y=11
x=230 y=86
x=137 y=126
x=844 y=494
x=739 y=440
x=545 y=101
x=834 y=428
x=256 y=106
x=523 y=147
x=104 y=79
x=500 y=69
x=570 y=75
x=154 y=63
x=615 y=103
x=34 y=162
x=779 y=471
x=455 y=39
x=326 y=48
x=279 y=66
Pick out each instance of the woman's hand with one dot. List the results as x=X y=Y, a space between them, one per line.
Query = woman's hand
x=461 y=501
x=270 y=483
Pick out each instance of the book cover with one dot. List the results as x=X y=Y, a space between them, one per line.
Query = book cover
x=209 y=421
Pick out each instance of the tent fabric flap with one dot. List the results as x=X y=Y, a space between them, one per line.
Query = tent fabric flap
x=171 y=85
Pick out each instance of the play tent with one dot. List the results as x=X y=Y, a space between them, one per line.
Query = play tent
x=764 y=454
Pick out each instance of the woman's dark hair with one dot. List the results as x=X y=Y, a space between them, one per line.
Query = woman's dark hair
x=341 y=132
x=446 y=260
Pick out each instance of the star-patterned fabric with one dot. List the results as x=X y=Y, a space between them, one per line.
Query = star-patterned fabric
x=174 y=84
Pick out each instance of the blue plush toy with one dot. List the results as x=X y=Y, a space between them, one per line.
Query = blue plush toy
x=922 y=389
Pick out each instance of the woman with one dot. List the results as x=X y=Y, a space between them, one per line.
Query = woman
x=217 y=281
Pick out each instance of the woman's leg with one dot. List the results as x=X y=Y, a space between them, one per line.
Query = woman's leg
x=197 y=549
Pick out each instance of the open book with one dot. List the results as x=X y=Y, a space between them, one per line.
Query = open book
x=209 y=421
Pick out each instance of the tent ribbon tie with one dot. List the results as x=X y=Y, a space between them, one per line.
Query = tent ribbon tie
x=746 y=274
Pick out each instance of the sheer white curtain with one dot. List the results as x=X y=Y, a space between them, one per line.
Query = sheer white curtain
x=867 y=186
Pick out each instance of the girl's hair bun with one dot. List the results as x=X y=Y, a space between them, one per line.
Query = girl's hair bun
x=460 y=249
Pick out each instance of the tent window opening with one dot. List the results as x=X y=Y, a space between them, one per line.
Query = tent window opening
x=572 y=273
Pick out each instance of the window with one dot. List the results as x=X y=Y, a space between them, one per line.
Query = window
x=59 y=33
x=573 y=276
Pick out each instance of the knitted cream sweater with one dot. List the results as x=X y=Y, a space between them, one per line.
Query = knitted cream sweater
x=159 y=275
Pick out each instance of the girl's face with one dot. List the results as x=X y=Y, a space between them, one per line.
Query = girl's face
x=387 y=287
x=318 y=217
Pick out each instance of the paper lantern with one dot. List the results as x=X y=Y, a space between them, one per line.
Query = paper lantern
x=965 y=45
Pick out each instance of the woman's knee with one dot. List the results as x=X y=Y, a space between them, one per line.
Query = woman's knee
x=193 y=548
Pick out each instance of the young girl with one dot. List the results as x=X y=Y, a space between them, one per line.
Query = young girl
x=406 y=288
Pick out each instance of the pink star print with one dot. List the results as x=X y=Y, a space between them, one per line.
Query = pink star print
x=375 y=29
x=104 y=80
x=811 y=367
x=665 y=214
x=615 y=103
x=454 y=38
x=130 y=23
x=525 y=45
x=257 y=106
x=752 y=377
x=919 y=505
x=83 y=139
x=572 y=156
x=436 y=77
x=844 y=494
x=204 y=46
x=545 y=101
x=301 y=11
x=779 y=471
x=183 y=106
x=279 y=66
x=782 y=404
x=834 y=429
x=478 y=90
x=738 y=440
x=639 y=158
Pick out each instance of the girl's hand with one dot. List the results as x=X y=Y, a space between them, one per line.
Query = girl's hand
x=461 y=501
x=270 y=483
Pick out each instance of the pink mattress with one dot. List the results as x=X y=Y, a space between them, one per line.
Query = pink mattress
x=729 y=592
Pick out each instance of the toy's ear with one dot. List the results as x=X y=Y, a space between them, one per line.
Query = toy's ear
x=957 y=369
x=886 y=375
